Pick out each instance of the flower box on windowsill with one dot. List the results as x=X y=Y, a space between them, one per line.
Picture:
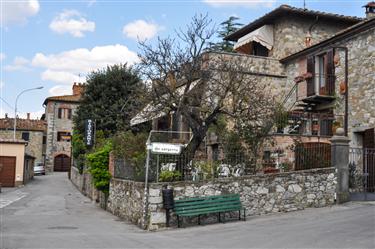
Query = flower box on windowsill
x=270 y=170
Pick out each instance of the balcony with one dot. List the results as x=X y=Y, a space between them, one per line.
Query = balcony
x=316 y=88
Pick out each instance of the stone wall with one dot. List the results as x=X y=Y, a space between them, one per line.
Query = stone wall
x=361 y=79
x=83 y=183
x=34 y=146
x=265 y=71
x=361 y=82
x=55 y=125
x=260 y=194
x=290 y=33
x=126 y=200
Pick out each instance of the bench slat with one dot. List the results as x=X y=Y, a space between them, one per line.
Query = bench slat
x=205 y=202
x=207 y=197
x=208 y=204
x=210 y=210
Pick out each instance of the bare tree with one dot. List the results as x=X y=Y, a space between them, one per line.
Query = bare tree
x=200 y=85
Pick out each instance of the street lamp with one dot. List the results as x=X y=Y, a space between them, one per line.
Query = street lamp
x=15 y=108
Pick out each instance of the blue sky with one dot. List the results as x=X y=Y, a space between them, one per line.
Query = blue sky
x=52 y=43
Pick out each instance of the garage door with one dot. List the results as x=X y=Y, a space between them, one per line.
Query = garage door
x=7 y=171
x=61 y=163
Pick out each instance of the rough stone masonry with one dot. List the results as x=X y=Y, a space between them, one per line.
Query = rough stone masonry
x=260 y=194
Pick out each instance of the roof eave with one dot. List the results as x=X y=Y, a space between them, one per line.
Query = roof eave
x=281 y=10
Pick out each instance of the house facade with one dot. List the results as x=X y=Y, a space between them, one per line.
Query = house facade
x=12 y=162
x=59 y=111
x=337 y=77
x=32 y=131
x=300 y=55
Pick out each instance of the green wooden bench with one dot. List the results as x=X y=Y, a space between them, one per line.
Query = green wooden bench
x=198 y=206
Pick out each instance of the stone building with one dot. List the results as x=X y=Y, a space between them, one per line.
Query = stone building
x=59 y=111
x=30 y=130
x=337 y=76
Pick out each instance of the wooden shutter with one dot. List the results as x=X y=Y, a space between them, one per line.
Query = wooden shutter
x=330 y=75
x=369 y=138
x=310 y=81
x=69 y=113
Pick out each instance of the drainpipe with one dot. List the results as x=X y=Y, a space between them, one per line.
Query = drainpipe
x=346 y=90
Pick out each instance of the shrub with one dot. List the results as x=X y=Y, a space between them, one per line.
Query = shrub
x=78 y=150
x=170 y=176
x=132 y=148
x=98 y=167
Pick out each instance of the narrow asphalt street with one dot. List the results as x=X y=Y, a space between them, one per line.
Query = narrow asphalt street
x=50 y=213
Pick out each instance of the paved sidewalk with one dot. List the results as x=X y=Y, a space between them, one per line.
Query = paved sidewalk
x=55 y=215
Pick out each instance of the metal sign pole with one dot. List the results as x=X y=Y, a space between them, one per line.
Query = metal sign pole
x=145 y=194
x=157 y=168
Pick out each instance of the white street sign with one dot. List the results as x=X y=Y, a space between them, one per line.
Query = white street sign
x=165 y=148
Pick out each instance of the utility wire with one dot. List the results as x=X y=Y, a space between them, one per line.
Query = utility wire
x=11 y=107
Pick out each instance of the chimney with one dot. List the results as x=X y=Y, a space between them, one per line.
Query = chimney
x=28 y=115
x=370 y=10
x=78 y=88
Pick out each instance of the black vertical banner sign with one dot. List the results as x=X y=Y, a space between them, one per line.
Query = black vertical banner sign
x=89 y=132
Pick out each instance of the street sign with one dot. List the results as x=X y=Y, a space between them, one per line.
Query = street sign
x=89 y=132
x=166 y=148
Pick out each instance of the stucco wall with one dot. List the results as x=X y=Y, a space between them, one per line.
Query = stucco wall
x=18 y=151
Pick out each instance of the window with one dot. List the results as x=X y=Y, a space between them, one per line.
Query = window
x=321 y=70
x=26 y=136
x=63 y=136
x=259 y=50
x=64 y=113
x=253 y=48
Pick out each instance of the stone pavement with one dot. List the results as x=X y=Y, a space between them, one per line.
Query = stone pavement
x=55 y=215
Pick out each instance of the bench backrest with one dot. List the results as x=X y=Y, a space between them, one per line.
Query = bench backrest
x=216 y=203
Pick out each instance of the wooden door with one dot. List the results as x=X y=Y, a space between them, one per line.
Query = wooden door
x=61 y=163
x=7 y=171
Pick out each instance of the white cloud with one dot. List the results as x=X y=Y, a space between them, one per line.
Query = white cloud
x=2 y=56
x=2 y=84
x=141 y=30
x=61 y=77
x=72 y=22
x=68 y=65
x=19 y=64
x=90 y=2
x=17 y=12
x=60 y=90
x=240 y=3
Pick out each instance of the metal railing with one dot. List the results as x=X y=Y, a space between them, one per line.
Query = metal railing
x=305 y=123
x=312 y=155
x=362 y=169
